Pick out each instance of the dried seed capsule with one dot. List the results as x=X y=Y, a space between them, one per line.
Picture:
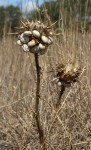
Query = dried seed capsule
x=36 y=34
x=25 y=48
x=55 y=80
x=41 y=46
x=32 y=43
x=46 y=40
x=27 y=33
x=50 y=33
x=24 y=39
x=19 y=43
x=50 y=40
x=59 y=83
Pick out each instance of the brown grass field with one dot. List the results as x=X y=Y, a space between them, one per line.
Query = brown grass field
x=68 y=127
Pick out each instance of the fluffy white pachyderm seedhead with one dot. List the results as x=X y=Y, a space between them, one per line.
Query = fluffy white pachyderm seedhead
x=35 y=37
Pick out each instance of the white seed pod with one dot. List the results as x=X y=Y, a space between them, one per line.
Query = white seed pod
x=50 y=33
x=46 y=40
x=25 y=48
x=36 y=34
x=24 y=39
x=32 y=43
x=55 y=80
x=19 y=43
x=59 y=83
x=42 y=52
x=27 y=33
x=41 y=46
x=50 y=41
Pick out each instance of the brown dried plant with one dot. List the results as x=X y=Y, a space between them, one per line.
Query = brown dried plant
x=65 y=76
x=35 y=37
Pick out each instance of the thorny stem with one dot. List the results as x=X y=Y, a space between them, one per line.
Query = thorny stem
x=37 y=116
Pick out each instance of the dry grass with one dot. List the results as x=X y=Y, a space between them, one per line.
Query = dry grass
x=68 y=127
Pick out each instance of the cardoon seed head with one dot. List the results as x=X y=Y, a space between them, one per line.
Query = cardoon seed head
x=66 y=74
x=34 y=37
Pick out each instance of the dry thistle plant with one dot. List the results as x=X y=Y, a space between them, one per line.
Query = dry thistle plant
x=35 y=37
x=65 y=76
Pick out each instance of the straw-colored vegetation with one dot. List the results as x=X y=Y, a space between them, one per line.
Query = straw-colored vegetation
x=67 y=127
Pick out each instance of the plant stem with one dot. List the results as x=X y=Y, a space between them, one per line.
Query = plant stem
x=37 y=115
x=60 y=95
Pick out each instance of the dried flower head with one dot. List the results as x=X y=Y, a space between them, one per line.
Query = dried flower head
x=66 y=74
x=34 y=37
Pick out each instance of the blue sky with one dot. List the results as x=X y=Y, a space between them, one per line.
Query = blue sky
x=27 y=5
x=15 y=2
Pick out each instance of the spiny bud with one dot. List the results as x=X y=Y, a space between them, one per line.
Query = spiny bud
x=66 y=74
